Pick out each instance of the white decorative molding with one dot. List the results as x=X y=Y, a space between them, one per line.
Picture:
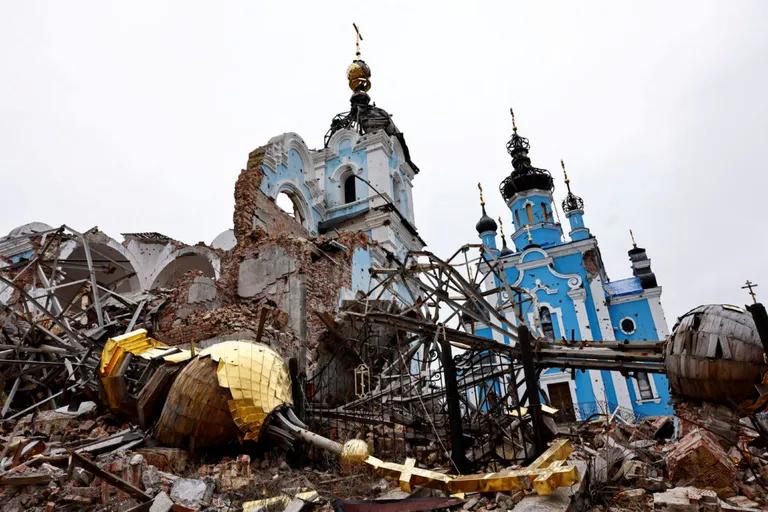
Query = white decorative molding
x=337 y=138
x=342 y=170
x=541 y=287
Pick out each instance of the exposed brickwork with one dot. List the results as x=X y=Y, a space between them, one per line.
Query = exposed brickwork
x=324 y=274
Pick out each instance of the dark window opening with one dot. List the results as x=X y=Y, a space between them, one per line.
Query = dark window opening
x=718 y=350
x=544 y=212
x=644 y=386
x=517 y=220
x=628 y=326
x=546 y=323
x=350 y=194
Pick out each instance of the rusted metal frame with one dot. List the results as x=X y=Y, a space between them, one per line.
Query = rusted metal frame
x=126 y=301
x=473 y=294
x=656 y=347
x=34 y=260
x=601 y=365
x=417 y=326
x=135 y=316
x=532 y=386
x=72 y=335
x=36 y=325
x=381 y=284
x=94 y=284
x=607 y=354
x=474 y=315
x=11 y=396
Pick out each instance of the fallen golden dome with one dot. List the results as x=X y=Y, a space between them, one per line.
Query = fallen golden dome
x=257 y=381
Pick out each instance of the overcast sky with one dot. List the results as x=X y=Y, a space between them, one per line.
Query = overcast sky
x=138 y=116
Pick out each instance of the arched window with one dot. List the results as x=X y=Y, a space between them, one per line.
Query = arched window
x=287 y=202
x=546 y=323
x=517 y=220
x=350 y=194
x=544 y=213
x=529 y=212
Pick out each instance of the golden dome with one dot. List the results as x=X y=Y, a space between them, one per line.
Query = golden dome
x=359 y=74
x=232 y=385
x=353 y=453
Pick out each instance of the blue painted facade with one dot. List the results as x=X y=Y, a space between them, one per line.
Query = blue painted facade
x=573 y=297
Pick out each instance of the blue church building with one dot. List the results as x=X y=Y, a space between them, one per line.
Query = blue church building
x=570 y=296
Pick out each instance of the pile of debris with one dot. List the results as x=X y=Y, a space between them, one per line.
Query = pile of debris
x=704 y=458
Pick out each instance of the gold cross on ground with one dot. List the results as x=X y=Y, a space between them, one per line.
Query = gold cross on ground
x=748 y=286
x=358 y=38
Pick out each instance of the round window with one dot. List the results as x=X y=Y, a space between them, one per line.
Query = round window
x=627 y=325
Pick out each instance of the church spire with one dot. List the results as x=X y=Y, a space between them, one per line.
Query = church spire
x=504 y=248
x=358 y=73
x=485 y=224
x=572 y=202
x=524 y=176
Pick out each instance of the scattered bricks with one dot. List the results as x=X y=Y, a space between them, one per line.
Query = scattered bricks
x=699 y=461
x=166 y=459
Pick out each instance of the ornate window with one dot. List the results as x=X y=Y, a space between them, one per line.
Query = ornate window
x=544 y=213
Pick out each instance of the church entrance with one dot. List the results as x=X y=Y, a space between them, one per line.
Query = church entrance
x=560 y=398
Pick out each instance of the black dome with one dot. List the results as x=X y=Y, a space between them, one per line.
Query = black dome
x=485 y=223
x=524 y=176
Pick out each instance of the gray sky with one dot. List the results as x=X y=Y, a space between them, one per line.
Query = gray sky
x=138 y=116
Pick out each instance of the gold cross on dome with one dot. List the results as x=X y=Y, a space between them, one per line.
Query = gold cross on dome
x=480 y=187
x=749 y=286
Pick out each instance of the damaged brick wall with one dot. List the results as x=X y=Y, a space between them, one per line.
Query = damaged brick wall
x=275 y=263
x=253 y=208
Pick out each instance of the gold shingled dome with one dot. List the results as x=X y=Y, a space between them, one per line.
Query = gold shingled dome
x=257 y=379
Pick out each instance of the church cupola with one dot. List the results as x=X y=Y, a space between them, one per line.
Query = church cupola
x=573 y=206
x=641 y=265
x=486 y=226
x=528 y=193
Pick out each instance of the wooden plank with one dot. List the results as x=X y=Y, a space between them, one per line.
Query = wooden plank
x=114 y=480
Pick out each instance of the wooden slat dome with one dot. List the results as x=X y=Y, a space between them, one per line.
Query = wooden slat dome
x=715 y=353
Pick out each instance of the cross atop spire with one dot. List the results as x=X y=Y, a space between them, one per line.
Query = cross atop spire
x=358 y=38
x=514 y=125
x=749 y=286
x=565 y=173
x=482 y=201
x=632 y=236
